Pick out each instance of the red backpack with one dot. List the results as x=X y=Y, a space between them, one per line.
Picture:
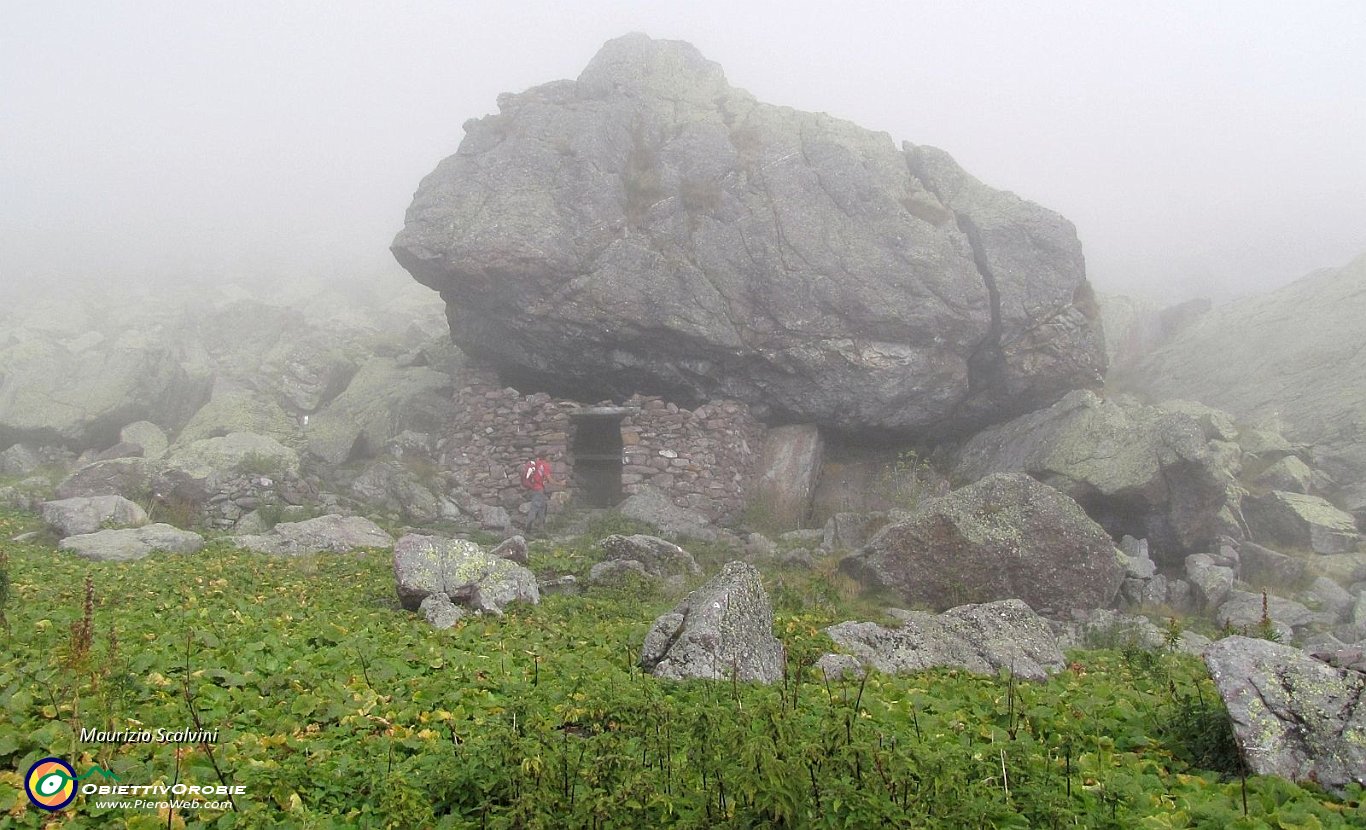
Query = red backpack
x=534 y=474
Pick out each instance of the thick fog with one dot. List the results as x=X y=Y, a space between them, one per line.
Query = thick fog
x=1210 y=148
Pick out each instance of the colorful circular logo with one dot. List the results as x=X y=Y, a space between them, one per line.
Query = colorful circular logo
x=51 y=783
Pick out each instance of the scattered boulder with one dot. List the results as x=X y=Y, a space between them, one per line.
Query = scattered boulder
x=324 y=534
x=790 y=466
x=656 y=509
x=650 y=225
x=1242 y=611
x=127 y=477
x=459 y=569
x=1263 y=566
x=122 y=449
x=1004 y=537
x=147 y=435
x=1302 y=521
x=233 y=408
x=1293 y=716
x=20 y=460
x=388 y=485
x=1137 y=563
x=851 y=531
x=1105 y=628
x=513 y=550
x=985 y=638
x=72 y=517
x=129 y=544
x=1334 y=599
x=648 y=556
x=439 y=612
x=494 y=517
x=1137 y=470
x=1290 y=474
x=1210 y=582
x=723 y=630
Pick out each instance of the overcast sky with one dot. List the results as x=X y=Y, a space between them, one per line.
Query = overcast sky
x=1200 y=147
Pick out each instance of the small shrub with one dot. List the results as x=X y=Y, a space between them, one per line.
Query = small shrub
x=907 y=481
x=260 y=464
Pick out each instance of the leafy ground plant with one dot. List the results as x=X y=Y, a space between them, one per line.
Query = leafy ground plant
x=335 y=708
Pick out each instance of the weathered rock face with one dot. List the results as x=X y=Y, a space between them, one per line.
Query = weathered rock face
x=1005 y=537
x=722 y=630
x=790 y=468
x=1295 y=351
x=1294 y=716
x=980 y=638
x=1143 y=471
x=648 y=227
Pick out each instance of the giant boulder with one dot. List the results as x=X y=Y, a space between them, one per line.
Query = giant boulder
x=1005 y=537
x=1144 y=471
x=649 y=227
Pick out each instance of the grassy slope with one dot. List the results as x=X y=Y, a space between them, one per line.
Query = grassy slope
x=337 y=709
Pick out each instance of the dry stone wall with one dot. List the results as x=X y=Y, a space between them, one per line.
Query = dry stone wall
x=705 y=458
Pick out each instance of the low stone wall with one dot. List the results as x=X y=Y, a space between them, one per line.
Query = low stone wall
x=705 y=459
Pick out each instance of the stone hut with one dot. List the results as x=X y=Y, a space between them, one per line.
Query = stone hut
x=707 y=458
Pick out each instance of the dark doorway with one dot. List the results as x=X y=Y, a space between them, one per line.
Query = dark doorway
x=596 y=451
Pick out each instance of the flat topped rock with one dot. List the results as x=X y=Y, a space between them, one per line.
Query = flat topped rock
x=649 y=227
x=325 y=534
x=984 y=639
x=129 y=544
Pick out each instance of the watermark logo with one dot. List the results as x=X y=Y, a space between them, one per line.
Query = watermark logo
x=51 y=782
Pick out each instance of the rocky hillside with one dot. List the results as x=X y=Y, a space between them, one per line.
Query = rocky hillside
x=1297 y=355
x=648 y=227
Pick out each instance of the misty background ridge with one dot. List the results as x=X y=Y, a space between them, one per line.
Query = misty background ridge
x=1199 y=151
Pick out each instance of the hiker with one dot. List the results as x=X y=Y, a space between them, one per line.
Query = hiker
x=536 y=477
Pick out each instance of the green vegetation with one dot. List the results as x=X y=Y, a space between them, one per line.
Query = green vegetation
x=335 y=708
x=906 y=481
